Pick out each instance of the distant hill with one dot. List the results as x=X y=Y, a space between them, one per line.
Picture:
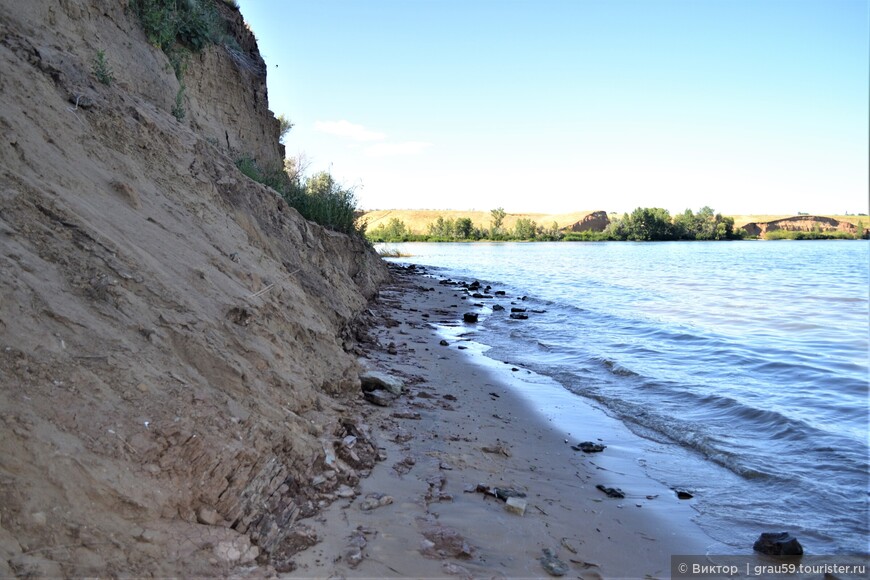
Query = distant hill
x=418 y=220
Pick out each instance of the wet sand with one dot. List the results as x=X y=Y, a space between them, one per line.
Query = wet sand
x=463 y=420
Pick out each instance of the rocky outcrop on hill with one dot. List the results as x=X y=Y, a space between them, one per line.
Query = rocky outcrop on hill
x=800 y=223
x=173 y=337
x=594 y=222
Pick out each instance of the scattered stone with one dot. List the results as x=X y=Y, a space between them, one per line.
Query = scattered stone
x=404 y=466
x=374 y=380
x=567 y=545
x=207 y=516
x=460 y=347
x=80 y=100
x=497 y=449
x=496 y=395
x=444 y=343
x=444 y=542
x=469 y=317
x=449 y=397
x=353 y=556
x=589 y=447
x=518 y=316
x=380 y=398
x=502 y=493
x=613 y=492
x=778 y=544
x=407 y=415
x=345 y=492
x=497 y=307
x=518 y=309
x=683 y=494
x=452 y=569
x=553 y=565
x=374 y=501
x=499 y=292
x=515 y=505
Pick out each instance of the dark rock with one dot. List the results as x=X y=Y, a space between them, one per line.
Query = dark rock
x=379 y=397
x=479 y=295
x=502 y=493
x=519 y=316
x=497 y=307
x=407 y=415
x=499 y=292
x=683 y=494
x=460 y=347
x=518 y=309
x=444 y=343
x=589 y=447
x=613 y=492
x=374 y=380
x=553 y=565
x=524 y=298
x=444 y=542
x=474 y=285
x=778 y=544
x=469 y=317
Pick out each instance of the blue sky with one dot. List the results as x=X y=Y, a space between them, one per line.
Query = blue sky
x=746 y=106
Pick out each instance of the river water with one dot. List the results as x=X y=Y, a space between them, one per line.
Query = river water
x=751 y=357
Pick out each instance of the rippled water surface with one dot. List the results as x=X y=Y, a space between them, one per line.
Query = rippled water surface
x=753 y=356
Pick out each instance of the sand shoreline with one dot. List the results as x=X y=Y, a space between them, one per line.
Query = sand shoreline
x=463 y=421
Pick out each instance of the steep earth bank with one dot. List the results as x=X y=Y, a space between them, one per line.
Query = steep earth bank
x=173 y=337
x=800 y=223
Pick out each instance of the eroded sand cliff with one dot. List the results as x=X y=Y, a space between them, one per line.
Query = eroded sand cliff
x=173 y=337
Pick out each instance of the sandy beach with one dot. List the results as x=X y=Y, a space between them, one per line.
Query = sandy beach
x=463 y=427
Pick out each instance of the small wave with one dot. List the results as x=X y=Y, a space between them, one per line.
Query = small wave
x=616 y=368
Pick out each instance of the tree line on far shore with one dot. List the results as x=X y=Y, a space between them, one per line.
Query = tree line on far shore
x=643 y=224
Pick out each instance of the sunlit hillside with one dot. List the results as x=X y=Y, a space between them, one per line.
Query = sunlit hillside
x=741 y=220
x=418 y=220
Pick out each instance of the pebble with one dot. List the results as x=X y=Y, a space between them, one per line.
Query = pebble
x=553 y=565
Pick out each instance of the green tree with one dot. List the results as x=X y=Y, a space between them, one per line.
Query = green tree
x=525 y=229
x=464 y=228
x=442 y=229
x=498 y=214
x=650 y=224
x=393 y=231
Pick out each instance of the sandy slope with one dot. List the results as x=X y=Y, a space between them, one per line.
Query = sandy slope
x=173 y=337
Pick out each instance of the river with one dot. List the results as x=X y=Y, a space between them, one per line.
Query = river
x=751 y=357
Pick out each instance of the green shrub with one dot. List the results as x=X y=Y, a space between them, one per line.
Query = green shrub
x=320 y=198
x=815 y=234
x=191 y=23
x=102 y=70
x=284 y=126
